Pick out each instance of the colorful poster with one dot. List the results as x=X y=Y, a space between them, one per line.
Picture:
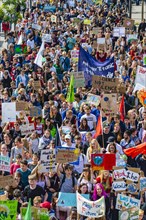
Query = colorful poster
x=126 y=202
x=35 y=111
x=103 y=161
x=8 y=210
x=8 y=112
x=129 y=214
x=94 y=209
x=87 y=21
x=93 y=99
x=65 y=155
x=143 y=184
x=20 y=49
x=4 y=163
x=37 y=213
x=48 y=160
x=109 y=104
x=69 y=199
x=74 y=56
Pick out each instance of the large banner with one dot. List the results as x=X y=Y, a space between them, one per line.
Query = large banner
x=94 y=209
x=91 y=66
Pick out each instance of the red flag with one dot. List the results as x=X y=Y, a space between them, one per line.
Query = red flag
x=122 y=108
x=98 y=127
x=134 y=151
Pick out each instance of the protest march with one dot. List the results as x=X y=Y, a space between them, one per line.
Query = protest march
x=73 y=111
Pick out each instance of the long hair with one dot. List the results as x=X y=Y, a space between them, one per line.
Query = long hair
x=95 y=196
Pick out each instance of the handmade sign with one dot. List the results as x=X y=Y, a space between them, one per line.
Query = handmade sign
x=37 y=213
x=131 y=38
x=128 y=23
x=27 y=129
x=126 y=180
x=79 y=80
x=109 y=104
x=69 y=199
x=119 y=32
x=140 y=76
x=126 y=202
x=141 y=94
x=8 y=210
x=65 y=129
x=76 y=20
x=105 y=84
x=101 y=40
x=22 y=106
x=4 y=163
x=94 y=209
x=95 y=30
x=74 y=56
x=121 y=88
x=47 y=38
x=103 y=161
x=93 y=99
x=49 y=8
x=36 y=27
x=143 y=184
x=8 y=112
x=36 y=85
x=87 y=21
x=129 y=214
x=6 y=181
x=48 y=161
x=35 y=111
x=54 y=18
x=65 y=155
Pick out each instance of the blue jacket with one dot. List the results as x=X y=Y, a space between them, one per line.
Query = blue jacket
x=19 y=79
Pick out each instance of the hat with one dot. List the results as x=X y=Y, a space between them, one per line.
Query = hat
x=106 y=125
x=67 y=136
x=46 y=205
x=111 y=139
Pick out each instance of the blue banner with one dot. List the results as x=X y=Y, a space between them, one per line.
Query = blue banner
x=91 y=66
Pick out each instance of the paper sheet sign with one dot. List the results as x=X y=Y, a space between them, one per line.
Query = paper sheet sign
x=109 y=104
x=27 y=129
x=101 y=40
x=103 y=161
x=126 y=202
x=54 y=18
x=8 y=112
x=48 y=160
x=4 y=163
x=87 y=21
x=36 y=27
x=94 y=209
x=47 y=38
x=126 y=179
x=119 y=32
x=69 y=199
x=8 y=210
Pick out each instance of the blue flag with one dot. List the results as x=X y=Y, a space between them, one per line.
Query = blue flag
x=90 y=66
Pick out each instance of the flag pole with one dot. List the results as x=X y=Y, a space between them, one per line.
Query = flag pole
x=102 y=128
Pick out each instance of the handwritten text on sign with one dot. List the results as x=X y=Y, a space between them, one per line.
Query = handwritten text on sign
x=126 y=174
x=126 y=202
x=48 y=160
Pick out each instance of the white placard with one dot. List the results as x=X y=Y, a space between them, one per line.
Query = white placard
x=48 y=161
x=47 y=38
x=8 y=112
x=101 y=40
x=119 y=32
x=36 y=27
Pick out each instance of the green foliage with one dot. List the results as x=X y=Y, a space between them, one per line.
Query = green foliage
x=1 y=13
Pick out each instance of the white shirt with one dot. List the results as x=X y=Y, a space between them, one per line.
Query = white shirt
x=90 y=119
x=30 y=43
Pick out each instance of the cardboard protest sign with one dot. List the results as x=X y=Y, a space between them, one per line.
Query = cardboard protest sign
x=8 y=112
x=47 y=38
x=37 y=213
x=126 y=202
x=103 y=161
x=128 y=23
x=6 y=181
x=8 y=210
x=27 y=129
x=105 y=84
x=79 y=80
x=143 y=184
x=129 y=214
x=93 y=99
x=74 y=56
x=54 y=18
x=126 y=179
x=87 y=21
x=48 y=160
x=4 y=163
x=121 y=88
x=69 y=199
x=109 y=104
x=88 y=208
x=119 y=32
x=65 y=155
x=36 y=85
x=36 y=27
x=22 y=106
x=35 y=111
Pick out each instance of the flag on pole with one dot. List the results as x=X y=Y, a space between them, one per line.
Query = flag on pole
x=70 y=93
x=38 y=60
x=20 y=40
x=98 y=127
x=28 y=215
x=122 y=109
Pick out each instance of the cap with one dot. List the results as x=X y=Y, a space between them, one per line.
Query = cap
x=67 y=136
x=111 y=139
x=46 y=205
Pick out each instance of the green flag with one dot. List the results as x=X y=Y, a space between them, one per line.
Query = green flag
x=28 y=215
x=70 y=93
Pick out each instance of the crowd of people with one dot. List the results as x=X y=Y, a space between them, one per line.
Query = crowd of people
x=19 y=71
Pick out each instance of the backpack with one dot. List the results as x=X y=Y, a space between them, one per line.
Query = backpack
x=63 y=180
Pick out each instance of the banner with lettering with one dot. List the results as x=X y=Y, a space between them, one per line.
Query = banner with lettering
x=8 y=210
x=94 y=209
x=103 y=161
x=91 y=66
x=129 y=214
x=48 y=160
x=126 y=202
x=126 y=179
